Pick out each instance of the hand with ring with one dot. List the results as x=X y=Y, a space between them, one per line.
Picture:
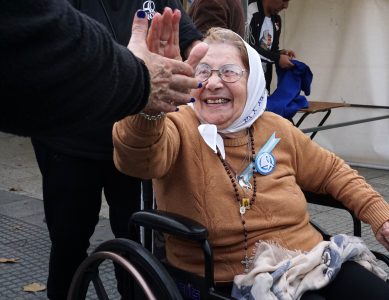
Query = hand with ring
x=162 y=44
x=164 y=34
x=170 y=79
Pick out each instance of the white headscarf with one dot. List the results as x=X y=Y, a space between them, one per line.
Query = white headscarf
x=254 y=108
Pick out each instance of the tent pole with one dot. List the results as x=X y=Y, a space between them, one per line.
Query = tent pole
x=245 y=5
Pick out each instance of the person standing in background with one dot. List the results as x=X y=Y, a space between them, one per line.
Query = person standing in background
x=218 y=13
x=77 y=168
x=264 y=35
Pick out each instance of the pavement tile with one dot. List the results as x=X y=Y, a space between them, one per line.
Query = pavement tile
x=30 y=244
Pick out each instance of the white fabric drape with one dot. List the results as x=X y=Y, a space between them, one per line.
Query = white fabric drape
x=346 y=45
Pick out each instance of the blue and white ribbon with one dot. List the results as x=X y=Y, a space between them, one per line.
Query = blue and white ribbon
x=264 y=161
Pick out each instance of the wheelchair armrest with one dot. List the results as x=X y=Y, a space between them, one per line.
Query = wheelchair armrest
x=325 y=200
x=171 y=223
x=183 y=227
x=382 y=257
x=328 y=200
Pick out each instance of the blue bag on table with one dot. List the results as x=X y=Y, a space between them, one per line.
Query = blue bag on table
x=286 y=99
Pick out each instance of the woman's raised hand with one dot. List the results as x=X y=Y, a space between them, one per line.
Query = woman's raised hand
x=164 y=34
x=170 y=79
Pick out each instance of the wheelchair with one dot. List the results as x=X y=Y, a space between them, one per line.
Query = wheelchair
x=157 y=278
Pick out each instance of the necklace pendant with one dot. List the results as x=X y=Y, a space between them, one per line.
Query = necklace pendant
x=244 y=182
x=245 y=202
x=246 y=262
x=242 y=210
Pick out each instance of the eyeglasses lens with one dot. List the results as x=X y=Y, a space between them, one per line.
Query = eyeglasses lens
x=228 y=73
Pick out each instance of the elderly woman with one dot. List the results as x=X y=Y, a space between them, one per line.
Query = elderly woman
x=238 y=170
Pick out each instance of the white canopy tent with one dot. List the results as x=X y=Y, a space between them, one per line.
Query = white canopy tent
x=346 y=45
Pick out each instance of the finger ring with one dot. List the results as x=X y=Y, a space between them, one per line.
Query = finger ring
x=163 y=43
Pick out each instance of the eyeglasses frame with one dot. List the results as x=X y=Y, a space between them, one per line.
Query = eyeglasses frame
x=220 y=74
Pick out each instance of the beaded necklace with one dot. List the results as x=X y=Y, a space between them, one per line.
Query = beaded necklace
x=244 y=202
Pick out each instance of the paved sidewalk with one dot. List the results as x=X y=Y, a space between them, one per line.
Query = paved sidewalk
x=19 y=170
x=24 y=237
x=23 y=234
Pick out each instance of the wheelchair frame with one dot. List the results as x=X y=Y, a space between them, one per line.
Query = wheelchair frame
x=139 y=262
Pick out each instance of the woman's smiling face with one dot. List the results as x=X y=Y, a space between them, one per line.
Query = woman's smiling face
x=218 y=102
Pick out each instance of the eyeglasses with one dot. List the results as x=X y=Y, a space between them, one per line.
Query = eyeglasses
x=228 y=73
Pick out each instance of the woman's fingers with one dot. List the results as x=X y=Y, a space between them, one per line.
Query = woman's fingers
x=154 y=34
x=196 y=54
x=167 y=24
x=173 y=48
x=170 y=80
x=163 y=36
x=137 y=44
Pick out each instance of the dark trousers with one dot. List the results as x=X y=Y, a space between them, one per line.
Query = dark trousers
x=352 y=282
x=72 y=195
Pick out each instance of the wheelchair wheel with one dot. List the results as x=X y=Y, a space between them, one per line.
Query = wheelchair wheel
x=143 y=272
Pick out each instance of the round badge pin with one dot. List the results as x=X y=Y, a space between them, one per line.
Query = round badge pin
x=265 y=163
